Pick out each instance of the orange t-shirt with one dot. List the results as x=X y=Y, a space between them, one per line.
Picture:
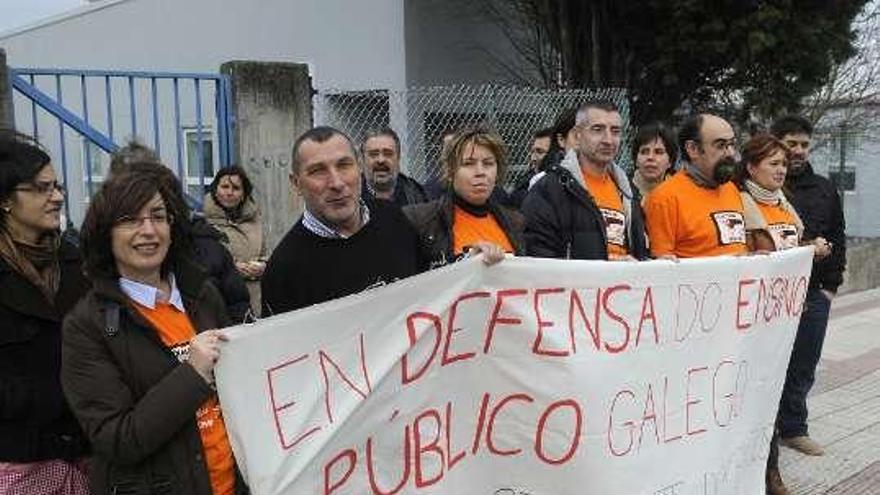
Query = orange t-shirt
x=690 y=221
x=176 y=331
x=604 y=191
x=780 y=226
x=467 y=229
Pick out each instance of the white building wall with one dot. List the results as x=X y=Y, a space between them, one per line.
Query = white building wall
x=860 y=205
x=349 y=44
x=454 y=42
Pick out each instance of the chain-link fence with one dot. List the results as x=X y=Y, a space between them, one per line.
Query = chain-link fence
x=421 y=116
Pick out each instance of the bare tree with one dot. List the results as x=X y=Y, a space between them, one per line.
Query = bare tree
x=758 y=55
x=851 y=98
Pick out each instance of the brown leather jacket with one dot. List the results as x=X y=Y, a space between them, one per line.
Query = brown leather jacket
x=135 y=401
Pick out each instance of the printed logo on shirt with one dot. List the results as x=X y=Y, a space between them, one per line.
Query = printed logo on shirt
x=615 y=226
x=209 y=415
x=180 y=351
x=730 y=226
x=784 y=235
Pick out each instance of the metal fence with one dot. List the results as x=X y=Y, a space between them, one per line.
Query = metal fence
x=83 y=115
x=422 y=115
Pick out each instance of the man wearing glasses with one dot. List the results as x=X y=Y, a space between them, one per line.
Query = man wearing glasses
x=699 y=212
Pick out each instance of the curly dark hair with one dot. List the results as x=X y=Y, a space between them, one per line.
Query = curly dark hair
x=124 y=194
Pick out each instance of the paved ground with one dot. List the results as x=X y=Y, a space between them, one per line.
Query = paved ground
x=844 y=406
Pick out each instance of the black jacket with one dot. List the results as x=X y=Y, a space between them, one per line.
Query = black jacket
x=563 y=221
x=521 y=189
x=818 y=204
x=36 y=423
x=135 y=400
x=213 y=256
x=434 y=221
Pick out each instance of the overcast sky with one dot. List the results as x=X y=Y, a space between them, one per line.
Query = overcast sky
x=15 y=13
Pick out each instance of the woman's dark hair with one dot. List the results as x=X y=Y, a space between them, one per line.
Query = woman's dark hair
x=124 y=194
x=21 y=159
x=233 y=170
x=650 y=132
x=564 y=123
x=759 y=147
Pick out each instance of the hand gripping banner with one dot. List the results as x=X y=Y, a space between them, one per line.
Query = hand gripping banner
x=531 y=377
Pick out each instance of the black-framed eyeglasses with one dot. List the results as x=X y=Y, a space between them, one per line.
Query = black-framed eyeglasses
x=43 y=188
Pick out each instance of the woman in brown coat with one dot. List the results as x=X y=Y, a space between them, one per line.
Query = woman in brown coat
x=229 y=206
x=138 y=351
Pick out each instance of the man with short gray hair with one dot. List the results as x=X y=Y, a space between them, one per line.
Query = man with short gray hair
x=585 y=208
x=341 y=245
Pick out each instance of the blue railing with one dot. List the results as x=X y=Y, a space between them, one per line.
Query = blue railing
x=163 y=110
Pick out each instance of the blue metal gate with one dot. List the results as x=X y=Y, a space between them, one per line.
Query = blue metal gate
x=102 y=110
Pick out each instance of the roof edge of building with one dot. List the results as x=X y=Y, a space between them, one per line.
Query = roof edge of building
x=62 y=17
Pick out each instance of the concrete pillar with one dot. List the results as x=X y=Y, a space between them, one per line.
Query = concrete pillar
x=273 y=105
x=7 y=118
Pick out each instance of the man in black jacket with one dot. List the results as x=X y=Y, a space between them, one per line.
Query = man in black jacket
x=537 y=151
x=817 y=202
x=585 y=208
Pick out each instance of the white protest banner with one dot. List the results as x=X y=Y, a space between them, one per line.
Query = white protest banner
x=538 y=377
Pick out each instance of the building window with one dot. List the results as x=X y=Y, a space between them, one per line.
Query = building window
x=199 y=158
x=95 y=162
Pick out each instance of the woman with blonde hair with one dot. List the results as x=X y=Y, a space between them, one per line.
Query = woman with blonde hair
x=468 y=218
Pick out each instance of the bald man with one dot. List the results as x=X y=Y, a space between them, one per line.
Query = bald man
x=699 y=212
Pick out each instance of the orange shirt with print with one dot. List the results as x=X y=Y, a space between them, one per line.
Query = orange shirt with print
x=780 y=225
x=468 y=229
x=690 y=221
x=176 y=331
x=604 y=191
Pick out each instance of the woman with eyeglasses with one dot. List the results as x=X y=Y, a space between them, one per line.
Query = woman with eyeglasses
x=140 y=348
x=42 y=447
x=468 y=219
